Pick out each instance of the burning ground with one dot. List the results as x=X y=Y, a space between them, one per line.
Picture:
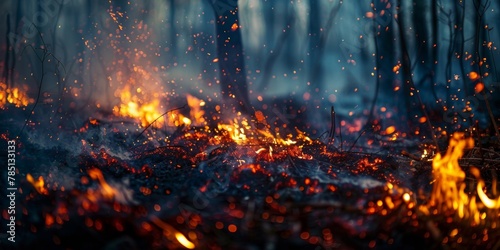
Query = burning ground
x=112 y=184
x=245 y=125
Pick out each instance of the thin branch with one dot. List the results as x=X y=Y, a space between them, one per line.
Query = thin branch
x=157 y=118
x=42 y=59
x=409 y=80
x=333 y=125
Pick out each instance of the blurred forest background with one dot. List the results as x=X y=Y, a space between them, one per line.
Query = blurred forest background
x=374 y=61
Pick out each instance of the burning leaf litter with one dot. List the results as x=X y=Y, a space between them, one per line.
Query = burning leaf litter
x=151 y=176
x=14 y=96
x=243 y=176
x=236 y=180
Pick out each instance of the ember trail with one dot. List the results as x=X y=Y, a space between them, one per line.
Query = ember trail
x=250 y=124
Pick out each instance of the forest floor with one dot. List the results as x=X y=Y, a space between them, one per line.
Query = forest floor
x=105 y=185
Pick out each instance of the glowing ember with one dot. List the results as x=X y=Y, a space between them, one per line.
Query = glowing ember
x=39 y=184
x=168 y=231
x=241 y=132
x=473 y=75
x=237 y=130
x=389 y=130
x=14 y=96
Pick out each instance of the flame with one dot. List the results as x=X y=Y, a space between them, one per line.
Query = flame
x=140 y=104
x=39 y=184
x=276 y=140
x=168 y=230
x=242 y=132
x=184 y=241
x=425 y=154
x=135 y=107
x=237 y=130
x=448 y=192
x=14 y=96
x=106 y=190
x=489 y=203
x=196 y=113
x=253 y=167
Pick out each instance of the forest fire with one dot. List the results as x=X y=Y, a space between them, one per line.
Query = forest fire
x=264 y=163
x=256 y=155
x=229 y=124
x=39 y=184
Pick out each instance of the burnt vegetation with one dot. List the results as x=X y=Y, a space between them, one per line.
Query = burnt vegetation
x=229 y=124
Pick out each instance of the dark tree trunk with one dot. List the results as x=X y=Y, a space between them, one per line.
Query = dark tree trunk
x=230 y=56
x=386 y=60
x=407 y=85
x=315 y=70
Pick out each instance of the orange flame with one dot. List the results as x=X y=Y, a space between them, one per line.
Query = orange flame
x=489 y=203
x=237 y=130
x=242 y=132
x=39 y=184
x=140 y=104
x=106 y=190
x=13 y=96
x=196 y=113
x=168 y=230
x=448 y=192
x=132 y=106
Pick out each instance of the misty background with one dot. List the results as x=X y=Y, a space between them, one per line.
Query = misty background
x=371 y=60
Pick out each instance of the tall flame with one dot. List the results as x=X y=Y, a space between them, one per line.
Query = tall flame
x=106 y=190
x=489 y=203
x=241 y=132
x=448 y=192
x=13 y=96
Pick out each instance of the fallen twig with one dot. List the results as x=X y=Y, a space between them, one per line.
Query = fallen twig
x=149 y=125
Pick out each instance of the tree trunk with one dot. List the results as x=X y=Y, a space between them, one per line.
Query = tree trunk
x=230 y=56
x=315 y=65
